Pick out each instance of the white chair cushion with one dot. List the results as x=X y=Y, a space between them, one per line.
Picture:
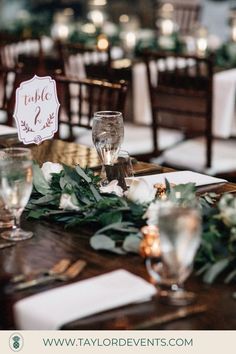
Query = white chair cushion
x=138 y=139
x=5 y=129
x=83 y=136
x=191 y=154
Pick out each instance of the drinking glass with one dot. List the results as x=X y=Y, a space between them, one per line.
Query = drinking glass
x=108 y=134
x=6 y=220
x=16 y=187
x=180 y=231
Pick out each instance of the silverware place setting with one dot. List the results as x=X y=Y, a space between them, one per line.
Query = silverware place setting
x=56 y=269
x=56 y=274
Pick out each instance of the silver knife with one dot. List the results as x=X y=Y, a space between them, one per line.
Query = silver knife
x=172 y=316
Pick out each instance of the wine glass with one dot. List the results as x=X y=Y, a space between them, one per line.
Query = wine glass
x=179 y=232
x=16 y=179
x=108 y=134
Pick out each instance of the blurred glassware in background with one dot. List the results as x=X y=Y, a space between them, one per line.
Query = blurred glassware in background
x=201 y=38
x=233 y=25
x=16 y=182
x=97 y=17
x=166 y=27
x=62 y=22
x=179 y=232
x=128 y=35
x=102 y=42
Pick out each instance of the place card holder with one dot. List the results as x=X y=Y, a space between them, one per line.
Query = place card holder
x=116 y=171
x=121 y=169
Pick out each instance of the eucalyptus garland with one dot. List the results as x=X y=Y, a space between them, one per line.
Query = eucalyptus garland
x=72 y=196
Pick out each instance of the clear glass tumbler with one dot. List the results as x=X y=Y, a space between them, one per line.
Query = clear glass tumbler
x=108 y=134
x=180 y=235
x=16 y=180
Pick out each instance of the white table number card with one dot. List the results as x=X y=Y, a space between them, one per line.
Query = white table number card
x=36 y=110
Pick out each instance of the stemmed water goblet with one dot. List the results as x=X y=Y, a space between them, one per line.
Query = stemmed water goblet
x=108 y=134
x=180 y=235
x=16 y=180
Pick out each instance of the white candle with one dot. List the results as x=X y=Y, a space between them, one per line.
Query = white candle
x=233 y=30
x=130 y=40
x=97 y=17
x=167 y=27
x=60 y=31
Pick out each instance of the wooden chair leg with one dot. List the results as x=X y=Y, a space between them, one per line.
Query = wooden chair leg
x=209 y=152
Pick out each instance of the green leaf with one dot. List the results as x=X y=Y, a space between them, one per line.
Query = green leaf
x=40 y=183
x=203 y=269
x=102 y=242
x=64 y=182
x=96 y=195
x=45 y=199
x=119 y=226
x=82 y=174
x=37 y=214
x=132 y=243
x=215 y=270
x=230 y=276
x=168 y=186
x=111 y=217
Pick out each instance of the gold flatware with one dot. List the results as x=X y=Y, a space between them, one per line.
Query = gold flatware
x=6 y=245
x=74 y=270
x=172 y=316
x=148 y=171
x=57 y=268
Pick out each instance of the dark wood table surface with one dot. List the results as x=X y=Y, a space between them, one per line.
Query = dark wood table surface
x=51 y=242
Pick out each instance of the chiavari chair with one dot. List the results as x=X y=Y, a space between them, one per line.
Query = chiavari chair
x=79 y=100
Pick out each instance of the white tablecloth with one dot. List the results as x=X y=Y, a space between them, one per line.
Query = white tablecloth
x=224 y=95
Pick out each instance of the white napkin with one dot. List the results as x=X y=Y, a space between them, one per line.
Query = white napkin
x=224 y=87
x=182 y=177
x=224 y=92
x=4 y=130
x=141 y=107
x=51 y=309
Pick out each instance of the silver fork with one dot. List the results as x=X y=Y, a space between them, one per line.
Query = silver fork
x=74 y=270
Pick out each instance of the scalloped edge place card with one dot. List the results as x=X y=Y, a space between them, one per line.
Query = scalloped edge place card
x=36 y=110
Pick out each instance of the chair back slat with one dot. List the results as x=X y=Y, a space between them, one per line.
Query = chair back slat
x=186 y=14
x=95 y=62
x=85 y=97
x=181 y=95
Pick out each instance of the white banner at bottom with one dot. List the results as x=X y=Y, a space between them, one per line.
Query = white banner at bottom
x=106 y=342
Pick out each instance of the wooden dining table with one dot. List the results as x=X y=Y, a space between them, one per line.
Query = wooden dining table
x=52 y=242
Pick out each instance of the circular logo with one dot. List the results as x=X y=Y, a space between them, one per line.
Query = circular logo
x=38 y=139
x=16 y=342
